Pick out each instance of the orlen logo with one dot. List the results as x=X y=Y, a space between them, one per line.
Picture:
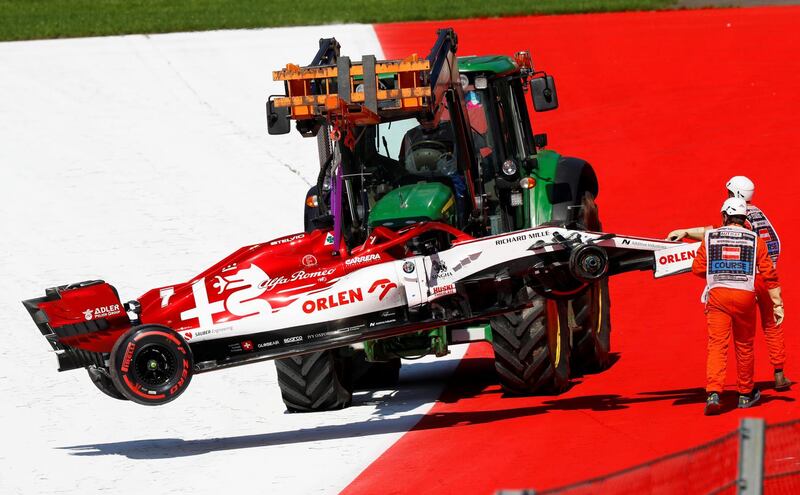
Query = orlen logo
x=367 y=258
x=334 y=300
x=385 y=285
x=675 y=258
x=102 y=312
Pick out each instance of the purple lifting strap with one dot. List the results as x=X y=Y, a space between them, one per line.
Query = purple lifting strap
x=336 y=207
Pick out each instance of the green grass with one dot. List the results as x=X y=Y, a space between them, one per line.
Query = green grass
x=33 y=19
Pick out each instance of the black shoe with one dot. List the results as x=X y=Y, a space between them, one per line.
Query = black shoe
x=750 y=399
x=712 y=404
x=781 y=382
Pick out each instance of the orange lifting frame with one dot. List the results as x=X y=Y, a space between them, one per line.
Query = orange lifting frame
x=412 y=91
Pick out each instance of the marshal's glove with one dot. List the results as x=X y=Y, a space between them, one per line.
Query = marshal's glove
x=677 y=235
x=696 y=233
x=777 y=304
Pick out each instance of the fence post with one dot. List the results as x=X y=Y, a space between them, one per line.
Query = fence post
x=751 y=457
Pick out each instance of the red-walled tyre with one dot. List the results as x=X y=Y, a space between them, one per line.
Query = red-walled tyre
x=151 y=365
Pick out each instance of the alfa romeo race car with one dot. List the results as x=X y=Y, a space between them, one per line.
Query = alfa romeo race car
x=297 y=295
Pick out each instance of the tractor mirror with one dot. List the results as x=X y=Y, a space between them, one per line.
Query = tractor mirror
x=277 y=119
x=543 y=90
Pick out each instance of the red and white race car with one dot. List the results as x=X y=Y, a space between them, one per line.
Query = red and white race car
x=296 y=294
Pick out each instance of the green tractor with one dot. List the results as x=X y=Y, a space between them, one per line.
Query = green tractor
x=460 y=150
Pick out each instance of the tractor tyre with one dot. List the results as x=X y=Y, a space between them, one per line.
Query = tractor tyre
x=532 y=348
x=592 y=331
x=102 y=380
x=591 y=311
x=314 y=382
x=374 y=375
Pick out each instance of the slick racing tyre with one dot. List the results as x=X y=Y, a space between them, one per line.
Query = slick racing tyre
x=532 y=348
x=151 y=365
x=314 y=382
x=592 y=331
x=102 y=380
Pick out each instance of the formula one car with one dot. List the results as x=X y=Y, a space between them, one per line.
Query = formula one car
x=296 y=295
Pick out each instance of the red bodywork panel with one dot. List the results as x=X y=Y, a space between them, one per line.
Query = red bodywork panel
x=88 y=316
x=258 y=279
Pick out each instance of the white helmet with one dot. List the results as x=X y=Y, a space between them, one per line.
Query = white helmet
x=741 y=187
x=734 y=206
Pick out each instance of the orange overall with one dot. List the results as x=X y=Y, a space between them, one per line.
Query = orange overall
x=733 y=310
x=773 y=334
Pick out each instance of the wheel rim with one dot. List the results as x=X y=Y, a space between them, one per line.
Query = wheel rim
x=155 y=365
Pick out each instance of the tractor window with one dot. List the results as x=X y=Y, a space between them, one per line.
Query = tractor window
x=522 y=150
x=424 y=152
x=389 y=138
x=522 y=120
x=482 y=137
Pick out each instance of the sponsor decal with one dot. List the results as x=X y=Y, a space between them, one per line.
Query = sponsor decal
x=187 y=336
x=439 y=269
x=731 y=252
x=329 y=239
x=247 y=345
x=521 y=237
x=271 y=283
x=408 y=267
x=385 y=285
x=367 y=258
x=373 y=324
x=229 y=268
x=102 y=312
x=271 y=343
x=764 y=234
x=341 y=298
x=309 y=260
x=291 y=340
x=182 y=380
x=285 y=240
x=126 y=361
x=466 y=261
x=676 y=258
x=444 y=290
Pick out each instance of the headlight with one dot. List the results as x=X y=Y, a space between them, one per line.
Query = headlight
x=509 y=167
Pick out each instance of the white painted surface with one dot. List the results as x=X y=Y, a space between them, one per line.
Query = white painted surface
x=142 y=160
